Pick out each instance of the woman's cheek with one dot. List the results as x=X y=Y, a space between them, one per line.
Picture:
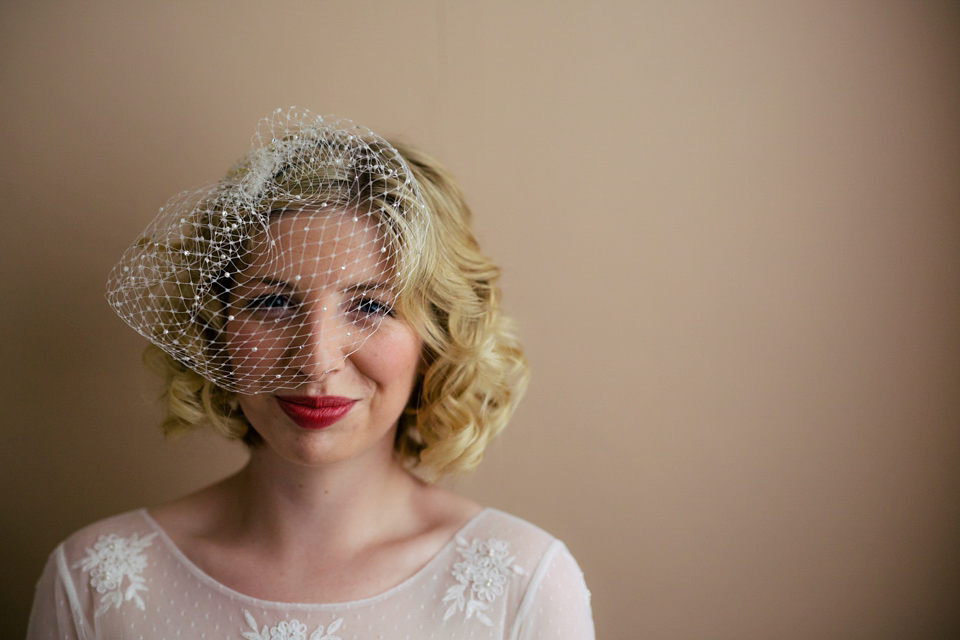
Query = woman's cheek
x=256 y=351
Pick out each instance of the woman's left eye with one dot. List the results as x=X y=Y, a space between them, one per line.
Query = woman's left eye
x=371 y=307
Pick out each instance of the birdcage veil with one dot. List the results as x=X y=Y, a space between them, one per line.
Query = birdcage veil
x=309 y=238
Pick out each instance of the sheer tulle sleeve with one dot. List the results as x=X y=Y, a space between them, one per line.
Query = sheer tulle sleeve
x=557 y=602
x=55 y=607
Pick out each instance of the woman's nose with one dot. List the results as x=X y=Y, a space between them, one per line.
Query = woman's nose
x=320 y=345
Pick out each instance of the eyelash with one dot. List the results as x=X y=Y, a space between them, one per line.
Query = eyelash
x=371 y=306
x=264 y=302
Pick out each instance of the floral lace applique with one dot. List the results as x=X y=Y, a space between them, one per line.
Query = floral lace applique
x=112 y=559
x=484 y=569
x=288 y=630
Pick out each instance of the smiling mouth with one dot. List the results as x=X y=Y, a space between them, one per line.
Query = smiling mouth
x=315 y=412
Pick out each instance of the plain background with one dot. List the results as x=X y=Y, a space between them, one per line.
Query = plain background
x=730 y=232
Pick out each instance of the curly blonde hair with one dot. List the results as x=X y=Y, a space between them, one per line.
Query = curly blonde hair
x=475 y=371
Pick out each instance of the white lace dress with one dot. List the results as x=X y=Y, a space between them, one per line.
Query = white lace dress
x=122 y=578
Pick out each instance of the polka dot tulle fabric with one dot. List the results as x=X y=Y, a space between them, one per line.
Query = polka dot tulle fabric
x=310 y=238
x=123 y=578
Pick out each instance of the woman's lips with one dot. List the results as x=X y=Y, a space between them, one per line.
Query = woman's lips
x=315 y=412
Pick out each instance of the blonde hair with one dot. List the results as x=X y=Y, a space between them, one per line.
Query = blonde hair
x=474 y=373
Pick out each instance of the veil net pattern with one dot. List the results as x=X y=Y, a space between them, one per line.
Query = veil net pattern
x=263 y=280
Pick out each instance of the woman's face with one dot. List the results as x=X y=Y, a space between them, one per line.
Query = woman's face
x=315 y=312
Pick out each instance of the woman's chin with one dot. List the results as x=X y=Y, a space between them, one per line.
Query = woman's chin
x=326 y=448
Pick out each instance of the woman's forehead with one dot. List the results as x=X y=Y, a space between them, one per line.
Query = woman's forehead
x=328 y=244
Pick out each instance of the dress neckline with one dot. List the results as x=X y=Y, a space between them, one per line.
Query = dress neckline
x=208 y=580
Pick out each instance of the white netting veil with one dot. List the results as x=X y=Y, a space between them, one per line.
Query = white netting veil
x=272 y=277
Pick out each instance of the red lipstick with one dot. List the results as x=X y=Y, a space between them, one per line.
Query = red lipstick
x=315 y=412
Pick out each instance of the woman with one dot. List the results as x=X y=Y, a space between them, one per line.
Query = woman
x=326 y=303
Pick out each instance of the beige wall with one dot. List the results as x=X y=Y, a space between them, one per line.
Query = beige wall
x=730 y=230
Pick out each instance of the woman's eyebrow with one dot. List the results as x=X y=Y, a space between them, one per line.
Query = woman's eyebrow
x=369 y=286
x=266 y=280
x=359 y=287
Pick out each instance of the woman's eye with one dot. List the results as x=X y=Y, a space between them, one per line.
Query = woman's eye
x=268 y=302
x=371 y=307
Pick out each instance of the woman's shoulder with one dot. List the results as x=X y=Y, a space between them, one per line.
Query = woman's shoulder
x=130 y=530
x=512 y=529
x=523 y=546
x=126 y=522
x=96 y=568
x=500 y=556
x=462 y=518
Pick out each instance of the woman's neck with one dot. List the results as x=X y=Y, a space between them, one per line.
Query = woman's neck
x=336 y=509
x=332 y=533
